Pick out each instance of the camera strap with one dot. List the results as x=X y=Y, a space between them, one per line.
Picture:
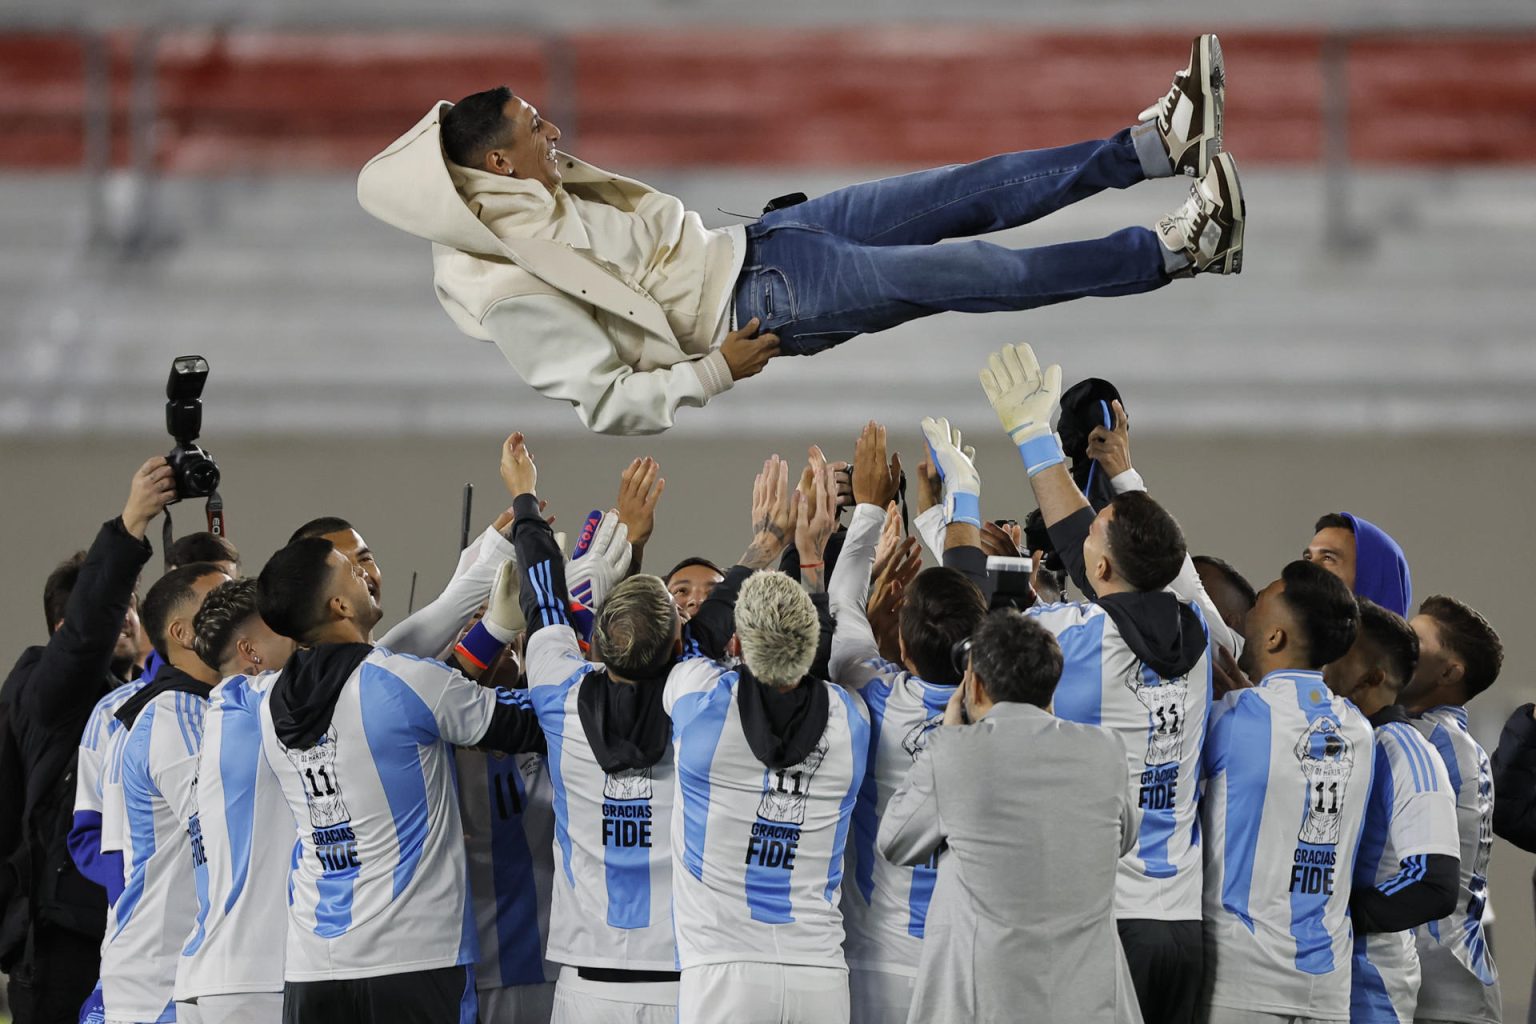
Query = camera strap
x=214 y=509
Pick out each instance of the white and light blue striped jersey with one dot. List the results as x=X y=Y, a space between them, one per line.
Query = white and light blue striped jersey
x=885 y=905
x=507 y=804
x=612 y=901
x=99 y=729
x=758 y=862
x=159 y=901
x=109 y=765
x=1288 y=773
x=1162 y=722
x=380 y=882
x=248 y=838
x=1458 y=978
x=1411 y=815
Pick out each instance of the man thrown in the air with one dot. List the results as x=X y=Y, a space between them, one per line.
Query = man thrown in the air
x=609 y=295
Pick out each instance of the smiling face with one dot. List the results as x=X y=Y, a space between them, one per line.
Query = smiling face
x=356 y=550
x=529 y=152
x=690 y=586
x=351 y=585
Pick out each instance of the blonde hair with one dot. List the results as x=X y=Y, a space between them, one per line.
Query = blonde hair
x=778 y=628
x=633 y=631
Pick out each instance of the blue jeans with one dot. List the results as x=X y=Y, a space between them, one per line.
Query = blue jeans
x=863 y=259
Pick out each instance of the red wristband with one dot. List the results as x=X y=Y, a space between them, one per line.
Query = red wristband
x=811 y=565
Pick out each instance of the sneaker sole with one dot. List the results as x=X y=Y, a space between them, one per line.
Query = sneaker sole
x=1213 y=84
x=1231 y=261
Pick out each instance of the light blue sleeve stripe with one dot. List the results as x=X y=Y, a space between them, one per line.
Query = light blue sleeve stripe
x=1411 y=753
x=1246 y=728
x=862 y=747
x=1416 y=743
x=183 y=721
x=1441 y=739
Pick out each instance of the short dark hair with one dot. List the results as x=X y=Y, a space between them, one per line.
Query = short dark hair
x=1015 y=658
x=474 y=125
x=319 y=528
x=166 y=597
x=1393 y=639
x=1236 y=580
x=941 y=609
x=1145 y=541
x=291 y=590
x=225 y=608
x=1325 y=608
x=60 y=584
x=634 y=626
x=201 y=547
x=1333 y=521
x=1469 y=636
x=689 y=563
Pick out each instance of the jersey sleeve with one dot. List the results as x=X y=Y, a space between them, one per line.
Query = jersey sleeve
x=1423 y=803
x=174 y=749
x=461 y=708
x=430 y=630
x=696 y=675
x=853 y=641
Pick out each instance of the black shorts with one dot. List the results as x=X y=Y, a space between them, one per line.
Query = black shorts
x=443 y=996
x=1167 y=961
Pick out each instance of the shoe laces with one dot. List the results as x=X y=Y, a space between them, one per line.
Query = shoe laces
x=1190 y=218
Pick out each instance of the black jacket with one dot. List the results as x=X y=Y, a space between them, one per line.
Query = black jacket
x=1514 y=781
x=44 y=706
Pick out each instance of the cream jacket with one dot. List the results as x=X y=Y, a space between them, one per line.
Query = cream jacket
x=607 y=295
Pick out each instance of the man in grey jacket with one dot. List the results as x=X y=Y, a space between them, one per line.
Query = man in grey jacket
x=1033 y=819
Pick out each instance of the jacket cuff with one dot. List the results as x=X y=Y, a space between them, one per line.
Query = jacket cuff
x=714 y=373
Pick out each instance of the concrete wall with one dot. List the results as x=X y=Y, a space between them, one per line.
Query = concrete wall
x=1460 y=508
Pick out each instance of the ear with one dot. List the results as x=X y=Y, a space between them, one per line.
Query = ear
x=1277 y=640
x=1454 y=672
x=1103 y=570
x=180 y=630
x=497 y=162
x=246 y=652
x=339 y=608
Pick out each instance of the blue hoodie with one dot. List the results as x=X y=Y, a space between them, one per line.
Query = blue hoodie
x=1381 y=568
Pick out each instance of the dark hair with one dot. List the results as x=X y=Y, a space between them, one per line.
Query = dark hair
x=1145 y=541
x=1470 y=638
x=291 y=590
x=225 y=608
x=1236 y=580
x=319 y=528
x=474 y=125
x=1393 y=639
x=1333 y=521
x=201 y=547
x=1015 y=658
x=166 y=598
x=60 y=584
x=689 y=563
x=942 y=608
x=1324 y=607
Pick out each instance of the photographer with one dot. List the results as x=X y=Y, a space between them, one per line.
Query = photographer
x=53 y=917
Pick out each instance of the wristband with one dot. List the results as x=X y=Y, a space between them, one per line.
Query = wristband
x=963 y=508
x=1041 y=453
x=479 y=647
x=811 y=565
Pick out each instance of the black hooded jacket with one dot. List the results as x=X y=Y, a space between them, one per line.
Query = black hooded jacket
x=782 y=726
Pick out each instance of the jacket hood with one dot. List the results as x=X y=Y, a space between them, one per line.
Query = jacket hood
x=1164 y=632
x=625 y=723
x=167 y=679
x=783 y=727
x=305 y=694
x=1381 y=568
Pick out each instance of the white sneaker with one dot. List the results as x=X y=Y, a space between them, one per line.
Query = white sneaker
x=1208 y=228
x=1189 y=116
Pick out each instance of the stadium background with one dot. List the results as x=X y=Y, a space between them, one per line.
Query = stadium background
x=177 y=178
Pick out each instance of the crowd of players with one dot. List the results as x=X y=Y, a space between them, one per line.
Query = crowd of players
x=849 y=787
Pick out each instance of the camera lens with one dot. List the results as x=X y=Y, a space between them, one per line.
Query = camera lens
x=203 y=475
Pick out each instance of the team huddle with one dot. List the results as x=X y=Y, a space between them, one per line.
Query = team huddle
x=849 y=788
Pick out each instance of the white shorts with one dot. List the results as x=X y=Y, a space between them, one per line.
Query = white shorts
x=517 y=1004
x=753 y=993
x=579 y=1001
x=242 y=1008
x=879 y=997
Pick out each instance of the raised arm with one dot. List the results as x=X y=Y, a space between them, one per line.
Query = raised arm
x=962 y=502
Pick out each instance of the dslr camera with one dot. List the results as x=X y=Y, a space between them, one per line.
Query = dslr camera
x=197 y=475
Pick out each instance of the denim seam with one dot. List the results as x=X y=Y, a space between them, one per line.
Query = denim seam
x=972 y=195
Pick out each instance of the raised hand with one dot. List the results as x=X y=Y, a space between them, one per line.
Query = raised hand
x=591 y=575
x=773 y=514
x=1024 y=397
x=152 y=488
x=1112 y=448
x=815 y=519
x=640 y=488
x=875 y=479
x=518 y=472
x=957 y=469
x=892 y=539
x=1001 y=541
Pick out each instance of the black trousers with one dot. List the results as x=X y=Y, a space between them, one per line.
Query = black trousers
x=1167 y=961
x=443 y=996
x=61 y=974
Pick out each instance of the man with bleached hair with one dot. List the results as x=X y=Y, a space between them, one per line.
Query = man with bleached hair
x=769 y=760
